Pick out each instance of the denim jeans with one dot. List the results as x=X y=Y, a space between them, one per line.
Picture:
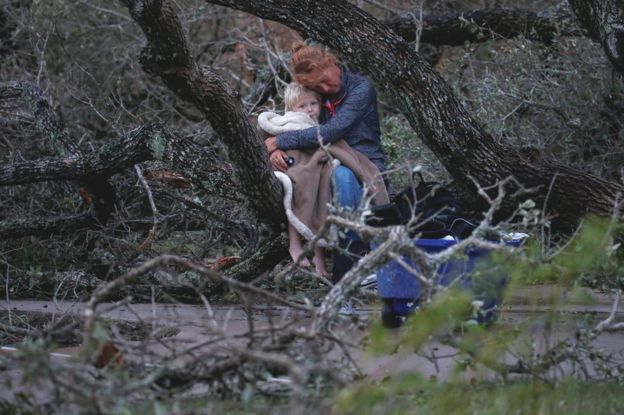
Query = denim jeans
x=348 y=194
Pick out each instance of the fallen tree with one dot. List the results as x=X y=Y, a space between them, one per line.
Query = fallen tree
x=453 y=29
x=470 y=154
x=91 y=171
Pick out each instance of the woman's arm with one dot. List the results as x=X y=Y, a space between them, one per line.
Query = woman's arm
x=355 y=106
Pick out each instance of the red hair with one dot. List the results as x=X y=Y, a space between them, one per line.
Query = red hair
x=307 y=61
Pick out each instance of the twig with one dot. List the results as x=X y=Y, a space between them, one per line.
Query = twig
x=42 y=60
x=608 y=322
x=152 y=233
x=415 y=272
x=352 y=279
x=162 y=260
x=8 y=299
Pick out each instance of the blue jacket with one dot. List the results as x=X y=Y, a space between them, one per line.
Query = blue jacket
x=351 y=115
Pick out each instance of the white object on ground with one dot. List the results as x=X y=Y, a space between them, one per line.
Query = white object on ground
x=369 y=281
x=346 y=309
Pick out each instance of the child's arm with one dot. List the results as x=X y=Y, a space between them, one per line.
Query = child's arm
x=276 y=156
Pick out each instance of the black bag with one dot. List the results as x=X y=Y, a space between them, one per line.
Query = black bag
x=436 y=212
x=385 y=215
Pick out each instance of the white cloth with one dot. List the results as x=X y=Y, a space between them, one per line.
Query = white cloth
x=275 y=124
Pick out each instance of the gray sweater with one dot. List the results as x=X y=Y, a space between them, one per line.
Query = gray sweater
x=354 y=118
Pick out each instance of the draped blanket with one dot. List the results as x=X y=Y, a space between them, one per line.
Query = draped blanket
x=307 y=183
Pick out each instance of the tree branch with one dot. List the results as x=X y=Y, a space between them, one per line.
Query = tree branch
x=46 y=120
x=603 y=21
x=167 y=55
x=431 y=108
x=151 y=142
x=483 y=25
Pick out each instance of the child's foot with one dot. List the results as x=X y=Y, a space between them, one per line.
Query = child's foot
x=295 y=253
x=322 y=272
x=319 y=265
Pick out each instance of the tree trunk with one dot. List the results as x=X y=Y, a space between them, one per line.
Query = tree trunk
x=152 y=142
x=483 y=25
x=167 y=55
x=603 y=20
x=48 y=123
x=469 y=153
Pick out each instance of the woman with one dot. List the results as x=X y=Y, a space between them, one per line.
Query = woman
x=308 y=178
x=349 y=113
x=349 y=108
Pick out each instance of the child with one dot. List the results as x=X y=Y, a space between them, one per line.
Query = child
x=303 y=108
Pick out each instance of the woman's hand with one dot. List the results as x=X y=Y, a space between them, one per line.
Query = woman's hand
x=278 y=160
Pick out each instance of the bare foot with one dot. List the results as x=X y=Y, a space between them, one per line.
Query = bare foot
x=319 y=265
x=295 y=253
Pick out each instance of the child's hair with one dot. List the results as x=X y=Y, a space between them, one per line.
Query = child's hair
x=293 y=93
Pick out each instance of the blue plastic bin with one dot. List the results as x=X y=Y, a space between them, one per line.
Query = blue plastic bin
x=400 y=290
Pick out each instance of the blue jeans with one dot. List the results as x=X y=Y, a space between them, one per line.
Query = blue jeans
x=348 y=194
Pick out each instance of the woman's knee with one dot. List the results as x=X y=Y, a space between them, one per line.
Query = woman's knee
x=348 y=188
x=344 y=174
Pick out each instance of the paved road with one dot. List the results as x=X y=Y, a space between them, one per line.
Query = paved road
x=191 y=328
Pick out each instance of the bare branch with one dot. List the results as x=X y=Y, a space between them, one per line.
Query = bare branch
x=168 y=55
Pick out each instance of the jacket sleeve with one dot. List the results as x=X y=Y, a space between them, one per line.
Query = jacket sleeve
x=352 y=110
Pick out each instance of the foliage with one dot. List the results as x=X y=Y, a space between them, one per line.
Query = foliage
x=546 y=97
x=546 y=343
x=560 y=375
x=85 y=58
x=406 y=153
x=593 y=257
x=413 y=394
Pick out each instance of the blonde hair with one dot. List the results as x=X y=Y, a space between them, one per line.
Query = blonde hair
x=293 y=94
x=307 y=61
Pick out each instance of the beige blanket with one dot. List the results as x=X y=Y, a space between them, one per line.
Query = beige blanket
x=312 y=171
x=311 y=177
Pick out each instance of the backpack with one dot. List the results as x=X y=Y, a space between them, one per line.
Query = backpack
x=438 y=213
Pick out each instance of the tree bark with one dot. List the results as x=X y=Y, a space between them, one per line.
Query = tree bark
x=469 y=153
x=49 y=125
x=152 y=142
x=46 y=120
x=269 y=253
x=167 y=55
x=483 y=25
x=603 y=21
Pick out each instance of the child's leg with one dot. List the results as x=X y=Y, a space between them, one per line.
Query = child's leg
x=319 y=261
x=295 y=248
